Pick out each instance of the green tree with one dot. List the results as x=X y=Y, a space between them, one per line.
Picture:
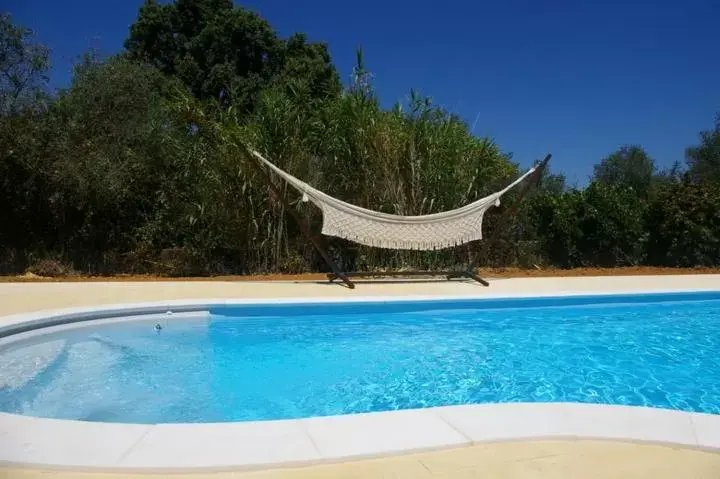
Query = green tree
x=225 y=52
x=24 y=188
x=557 y=227
x=23 y=68
x=552 y=183
x=108 y=155
x=683 y=225
x=611 y=221
x=526 y=221
x=307 y=69
x=628 y=167
x=704 y=159
x=599 y=226
x=23 y=85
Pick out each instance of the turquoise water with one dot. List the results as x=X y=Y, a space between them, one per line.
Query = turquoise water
x=283 y=362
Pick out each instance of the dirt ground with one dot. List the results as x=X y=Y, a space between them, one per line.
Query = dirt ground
x=483 y=272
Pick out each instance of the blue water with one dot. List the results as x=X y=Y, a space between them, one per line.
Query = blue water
x=656 y=351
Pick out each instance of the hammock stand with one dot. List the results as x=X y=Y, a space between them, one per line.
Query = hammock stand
x=263 y=165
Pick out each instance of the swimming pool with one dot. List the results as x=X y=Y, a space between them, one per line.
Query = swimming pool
x=264 y=362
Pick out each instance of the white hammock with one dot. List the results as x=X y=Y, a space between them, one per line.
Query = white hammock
x=372 y=228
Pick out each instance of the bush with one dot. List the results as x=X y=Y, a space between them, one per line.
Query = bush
x=683 y=225
x=611 y=222
x=180 y=262
x=50 y=268
x=599 y=226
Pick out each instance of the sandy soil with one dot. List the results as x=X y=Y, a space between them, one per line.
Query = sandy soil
x=483 y=272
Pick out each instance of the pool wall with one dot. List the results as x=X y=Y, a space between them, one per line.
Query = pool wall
x=385 y=305
x=19 y=323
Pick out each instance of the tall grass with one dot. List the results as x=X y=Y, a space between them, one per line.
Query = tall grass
x=413 y=159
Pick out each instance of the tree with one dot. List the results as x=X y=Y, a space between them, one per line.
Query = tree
x=683 y=225
x=601 y=225
x=526 y=220
x=23 y=82
x=23 y=68
x=629 y=167
x=307 y=68
x=611 y=222
x=23 y=181
x=552 y=183
x=107 y=154
x=704 y=160
x=225 y=52
x=557 y=227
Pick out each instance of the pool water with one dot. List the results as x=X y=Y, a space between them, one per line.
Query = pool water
x=316 y=362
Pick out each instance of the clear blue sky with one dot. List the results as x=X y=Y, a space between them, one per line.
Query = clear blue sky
x=577 y=78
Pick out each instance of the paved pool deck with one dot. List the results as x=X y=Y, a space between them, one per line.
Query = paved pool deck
x=521 y=459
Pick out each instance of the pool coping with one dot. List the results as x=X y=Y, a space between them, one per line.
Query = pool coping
x=40 y=442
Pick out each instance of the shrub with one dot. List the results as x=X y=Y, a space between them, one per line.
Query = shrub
x=50 y=268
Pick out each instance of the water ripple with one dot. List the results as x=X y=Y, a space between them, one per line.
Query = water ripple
x=660 y=355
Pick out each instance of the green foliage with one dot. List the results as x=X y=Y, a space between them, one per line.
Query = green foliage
x=23 y=83
x=23 y=182
x=631 y=214
x=683 y=225
x=558 y=228
x=704 y=160
x=227 y=53
x=107 y=154
x=140 y=166
x=612 y=225
x=82 y=175
x=23 y=68
x=629 y=167
x=217 y=50
x=399 y=162
x=551 y=184
x=599 y=226
x=307 y=70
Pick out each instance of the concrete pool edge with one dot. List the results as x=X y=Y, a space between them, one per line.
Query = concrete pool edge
x=49 y=443
x=38 y=442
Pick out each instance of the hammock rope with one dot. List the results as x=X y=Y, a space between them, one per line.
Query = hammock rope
x=383 y=230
